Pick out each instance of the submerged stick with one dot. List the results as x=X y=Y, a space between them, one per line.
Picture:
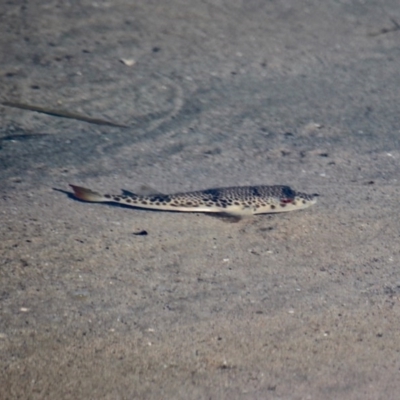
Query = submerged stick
x=61 y=113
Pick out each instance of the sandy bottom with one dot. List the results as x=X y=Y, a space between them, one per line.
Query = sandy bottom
x=300 y=305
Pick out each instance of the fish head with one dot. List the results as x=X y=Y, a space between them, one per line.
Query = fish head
x=291 y=201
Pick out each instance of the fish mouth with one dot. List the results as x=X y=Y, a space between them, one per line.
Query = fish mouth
x=305 y=199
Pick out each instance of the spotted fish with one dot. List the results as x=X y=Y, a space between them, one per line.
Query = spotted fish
x=230 y=201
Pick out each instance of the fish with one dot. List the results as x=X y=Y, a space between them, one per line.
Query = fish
x=235 y=201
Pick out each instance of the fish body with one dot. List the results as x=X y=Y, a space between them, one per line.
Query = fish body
x=235 y=201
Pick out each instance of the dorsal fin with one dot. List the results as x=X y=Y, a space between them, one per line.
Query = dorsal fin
x=142 y=190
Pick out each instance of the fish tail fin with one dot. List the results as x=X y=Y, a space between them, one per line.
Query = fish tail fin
x=85 y=194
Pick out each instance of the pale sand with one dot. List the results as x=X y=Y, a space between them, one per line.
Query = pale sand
x=303 y=305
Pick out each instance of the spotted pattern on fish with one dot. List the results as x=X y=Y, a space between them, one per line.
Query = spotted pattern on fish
x=236 y=200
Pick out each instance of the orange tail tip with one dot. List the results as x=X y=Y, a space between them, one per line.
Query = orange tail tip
x=85 y=194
